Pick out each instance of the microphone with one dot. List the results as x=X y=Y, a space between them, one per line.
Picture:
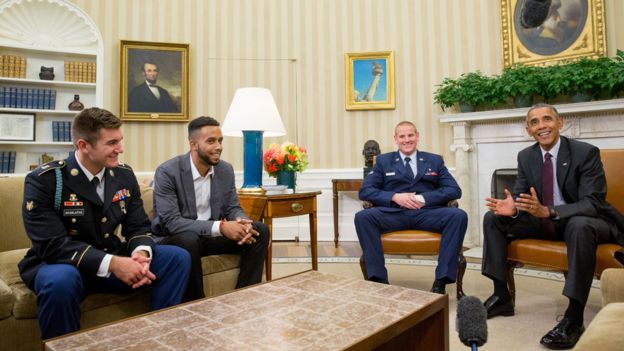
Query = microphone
x=534 y=13
x=471 y=322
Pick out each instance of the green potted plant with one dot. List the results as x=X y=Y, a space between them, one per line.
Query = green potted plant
x=468 y=91
x=612 y=84
x=521 y=83
x=447 y=94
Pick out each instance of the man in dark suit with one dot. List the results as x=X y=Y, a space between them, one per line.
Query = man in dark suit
x=560 y=195
x=72 y=209
x=410 y=189
x=196 y=207
x=150 y=97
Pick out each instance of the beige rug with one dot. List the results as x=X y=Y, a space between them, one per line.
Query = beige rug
x=539 y=304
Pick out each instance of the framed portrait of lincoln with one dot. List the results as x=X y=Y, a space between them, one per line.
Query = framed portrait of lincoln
x=154 y=81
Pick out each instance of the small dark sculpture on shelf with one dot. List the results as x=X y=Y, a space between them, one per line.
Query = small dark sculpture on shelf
x=370 y=151
x=76 y=105
x=47 y=73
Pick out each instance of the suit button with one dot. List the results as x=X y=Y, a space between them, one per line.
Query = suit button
x=104 y=219
x=73 y=220
x=106 y=236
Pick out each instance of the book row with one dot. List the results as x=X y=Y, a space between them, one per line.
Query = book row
x=12 y=66
x=35 y=98
x=7 y=161
x=61 y=131
x=83 y=72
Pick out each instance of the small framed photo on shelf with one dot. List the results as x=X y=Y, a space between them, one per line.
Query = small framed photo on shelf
x=17 y=126
x=369 y=80
x=154 y=81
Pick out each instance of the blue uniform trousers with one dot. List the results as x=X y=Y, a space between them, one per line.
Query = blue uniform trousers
x=60 y=288
x=450 y=221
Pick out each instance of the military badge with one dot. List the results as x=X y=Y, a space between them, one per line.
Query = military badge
x=73 y=197
x=30 y=205
x=121 y=195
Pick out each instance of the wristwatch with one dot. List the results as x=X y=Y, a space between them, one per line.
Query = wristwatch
x=552 y=213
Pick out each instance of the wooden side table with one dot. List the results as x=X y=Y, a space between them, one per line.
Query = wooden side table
x=342 y=185
x=267 y=207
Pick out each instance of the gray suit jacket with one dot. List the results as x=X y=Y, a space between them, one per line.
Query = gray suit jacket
x=175 y=209
x=581 y=179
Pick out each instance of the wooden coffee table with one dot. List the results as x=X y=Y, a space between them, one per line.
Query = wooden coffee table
x=311 y=310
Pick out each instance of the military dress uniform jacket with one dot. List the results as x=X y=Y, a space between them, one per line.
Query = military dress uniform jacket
x=81 y=231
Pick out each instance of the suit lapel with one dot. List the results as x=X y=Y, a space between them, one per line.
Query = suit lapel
x=110 y=187
x=421 y=166
x=563 y=162
x=398 y=165
x=537 y=160
x=77 y=181
x=188 y=187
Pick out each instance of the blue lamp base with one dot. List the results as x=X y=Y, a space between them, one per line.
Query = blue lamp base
x=252 y=161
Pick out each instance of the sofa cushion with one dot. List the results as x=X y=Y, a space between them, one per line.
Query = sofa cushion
x=605 y=330
x=6 y=300
x=219 y=263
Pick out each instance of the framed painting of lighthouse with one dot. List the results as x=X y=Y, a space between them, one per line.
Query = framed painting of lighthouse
x=369 y=78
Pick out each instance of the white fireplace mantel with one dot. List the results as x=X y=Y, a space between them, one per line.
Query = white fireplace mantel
x=484 y=141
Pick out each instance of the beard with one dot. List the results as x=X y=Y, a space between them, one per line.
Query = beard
x=204 y=157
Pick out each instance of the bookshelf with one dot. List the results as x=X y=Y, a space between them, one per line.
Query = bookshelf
x=76 y=46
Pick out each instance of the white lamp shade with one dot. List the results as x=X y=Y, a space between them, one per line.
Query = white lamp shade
x=253 y=109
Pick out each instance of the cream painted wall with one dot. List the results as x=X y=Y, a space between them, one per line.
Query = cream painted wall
x=296 y=48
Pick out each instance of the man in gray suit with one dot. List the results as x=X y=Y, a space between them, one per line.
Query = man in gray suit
x=559 y=194
x=196 y=207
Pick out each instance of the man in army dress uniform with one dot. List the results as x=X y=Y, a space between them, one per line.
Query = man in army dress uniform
x=71 y=211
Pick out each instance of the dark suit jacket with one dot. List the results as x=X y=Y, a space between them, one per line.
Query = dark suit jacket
x=175 y=209
x=433 y=181
x=141 y=99
x=82 y=231
x=581 y=179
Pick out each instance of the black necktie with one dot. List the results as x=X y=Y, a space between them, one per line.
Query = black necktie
x=408 y=168
x=96 y=182
x=547 y=194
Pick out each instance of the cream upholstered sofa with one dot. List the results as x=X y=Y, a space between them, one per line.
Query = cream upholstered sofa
x=19 y=329
x=604 y=332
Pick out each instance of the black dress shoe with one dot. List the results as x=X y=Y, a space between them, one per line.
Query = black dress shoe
x=438 y=288
x=563 y=336
x=497 y=307
x=619 y=255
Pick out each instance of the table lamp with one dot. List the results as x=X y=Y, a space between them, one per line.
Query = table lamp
x=252 y=114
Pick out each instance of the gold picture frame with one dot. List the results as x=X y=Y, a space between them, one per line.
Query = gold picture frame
x=154 y=81
x=573 y=29
x=369 y=81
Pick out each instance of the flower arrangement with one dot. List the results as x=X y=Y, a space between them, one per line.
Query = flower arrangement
x=285 y=157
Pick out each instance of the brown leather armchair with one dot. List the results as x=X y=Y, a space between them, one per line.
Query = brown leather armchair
x=553 y=254
x=417 y=242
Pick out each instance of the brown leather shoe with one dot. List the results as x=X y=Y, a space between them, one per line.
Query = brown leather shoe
x=619 y=255
x=497 y=307
x=563 y=336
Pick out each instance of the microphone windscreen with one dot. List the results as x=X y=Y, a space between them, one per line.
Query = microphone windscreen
x=471 y=322
x=534 y=13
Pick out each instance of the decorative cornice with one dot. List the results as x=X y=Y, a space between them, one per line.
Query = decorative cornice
x=592 y=107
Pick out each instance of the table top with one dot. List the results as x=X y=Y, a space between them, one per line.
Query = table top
x=295 y=195
x=311 y=310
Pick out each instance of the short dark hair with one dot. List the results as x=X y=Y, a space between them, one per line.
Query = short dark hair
x=88 y=123
x=542 y=105
x=200 y=122
x=150 y=62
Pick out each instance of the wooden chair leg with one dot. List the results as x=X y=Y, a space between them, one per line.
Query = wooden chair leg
x=363 y=267
x=460 y=276
x=511 y=283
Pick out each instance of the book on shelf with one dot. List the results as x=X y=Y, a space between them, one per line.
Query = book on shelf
x=7 y=161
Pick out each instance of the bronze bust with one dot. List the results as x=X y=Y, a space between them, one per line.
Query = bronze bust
x=370 y=151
